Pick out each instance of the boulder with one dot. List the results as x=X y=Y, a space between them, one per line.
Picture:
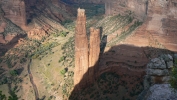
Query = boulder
x=161 y=92
x=170 y=64
x=167 y=57
x=175 y=56
x=157 y=63
x=157 y=72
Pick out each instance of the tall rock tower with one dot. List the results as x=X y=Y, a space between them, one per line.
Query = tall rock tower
x=86 y=57
x=81 y=50
x=94 y=52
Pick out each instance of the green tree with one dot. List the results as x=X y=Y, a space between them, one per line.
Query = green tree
x=2 y=96
x=63 y=71
x=13 y=96
x=13 y=73
x=173 y=76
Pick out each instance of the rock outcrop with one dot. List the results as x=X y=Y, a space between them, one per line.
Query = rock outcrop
x=158 y=70
x=37 y=33
x=86 y=55
x=9 y=32
x=94 y=52
x=156 y=82
x=159 y=92
x=81 y=50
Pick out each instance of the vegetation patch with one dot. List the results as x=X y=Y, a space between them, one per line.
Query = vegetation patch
x=173 y=76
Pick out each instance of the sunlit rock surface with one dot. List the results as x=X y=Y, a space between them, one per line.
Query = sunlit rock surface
x=81 y=50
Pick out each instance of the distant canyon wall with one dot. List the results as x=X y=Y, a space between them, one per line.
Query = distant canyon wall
x=15 y=10
x=141 y=8
x=163 y=7
x=138 y=7
x=114 y=7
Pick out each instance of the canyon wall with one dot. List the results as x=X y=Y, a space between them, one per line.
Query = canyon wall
x=15 y=10
x=163 y=7
x=138 y=7
x=114 y=7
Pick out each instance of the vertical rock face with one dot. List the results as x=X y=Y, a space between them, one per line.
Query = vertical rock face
x=81 y=50
x=86 y=58
x=94 y=51
x=15 y=11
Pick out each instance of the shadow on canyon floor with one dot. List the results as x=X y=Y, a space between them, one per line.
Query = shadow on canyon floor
x=5 y=47
x=120 y=74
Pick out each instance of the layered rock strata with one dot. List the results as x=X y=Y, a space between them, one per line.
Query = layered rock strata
x=15 y=11
x=37 y=33
x=138 y=7
x=81 y=49
x=94 y=52
x=86 y=54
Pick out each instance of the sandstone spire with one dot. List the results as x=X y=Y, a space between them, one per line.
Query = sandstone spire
x=86 y=58
x=81 y=50
x=94 y=51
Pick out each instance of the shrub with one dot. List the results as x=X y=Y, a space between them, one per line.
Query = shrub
x=63 y=33
x=1 y=60
x=63 y=71
x=173 y=78
x=22 y=60
x=8 y=62
x=13 y=73
x=13 y=96
x=2 y=96
x=61 y=59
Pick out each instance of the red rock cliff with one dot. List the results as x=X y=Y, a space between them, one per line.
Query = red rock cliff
x=15 y=11
x=94 y=51
x=81 y=50
x=86 y=58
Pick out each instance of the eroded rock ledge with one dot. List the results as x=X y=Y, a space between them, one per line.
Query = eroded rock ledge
x=156 y=81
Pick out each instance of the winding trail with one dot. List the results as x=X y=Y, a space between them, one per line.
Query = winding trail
x=32 y=82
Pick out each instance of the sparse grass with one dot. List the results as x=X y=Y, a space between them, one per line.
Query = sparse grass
x=61 y=59
x=68 y=52
x=62 y=34
x=43 y=48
